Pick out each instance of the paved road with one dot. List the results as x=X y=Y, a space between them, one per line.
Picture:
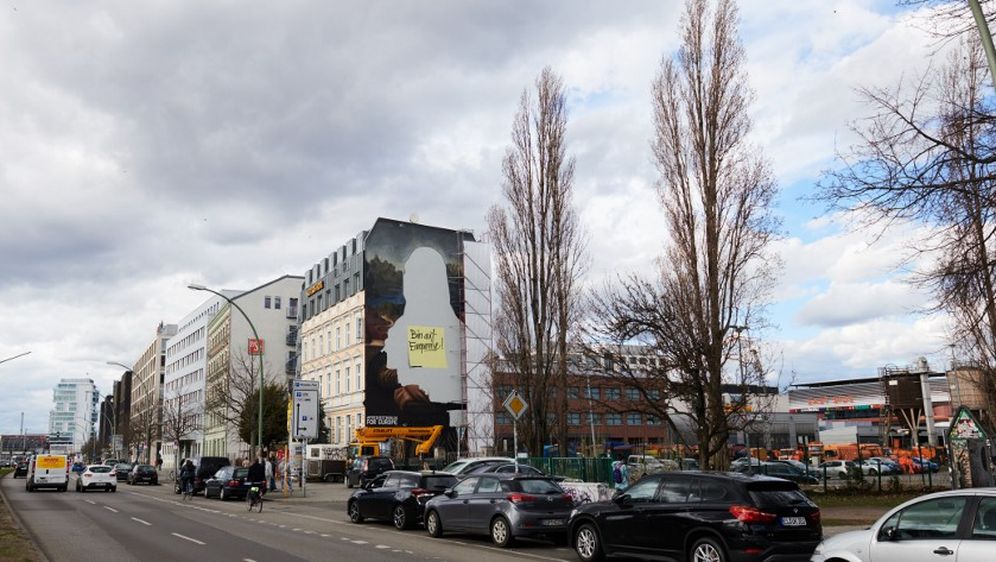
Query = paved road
x=150 y=523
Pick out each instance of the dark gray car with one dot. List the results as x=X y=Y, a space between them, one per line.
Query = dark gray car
x=504 y=506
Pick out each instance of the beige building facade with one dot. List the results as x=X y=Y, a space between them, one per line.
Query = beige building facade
x=147 y=396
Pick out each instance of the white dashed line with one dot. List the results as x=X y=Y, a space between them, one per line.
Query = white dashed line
x=382 y=546
x=146 y=523
x=91 y=502
x=296 y=530
x=109 y=508
x=359 y=542
x=325 y=536
x=248 y=560
x=187 y=538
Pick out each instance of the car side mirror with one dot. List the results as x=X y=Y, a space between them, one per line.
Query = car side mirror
x=622 y=499
x=449 y=492
x=890 y=534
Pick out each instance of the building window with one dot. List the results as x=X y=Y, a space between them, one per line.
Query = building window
x=338 y=377
x=338 y=338
x=266 y=302
x=347 y=379
x=633 y=419
x=613 y=419
x=347 y=335
x=338 y=429
x=359 y=328
x=654 y=394
x=276 y=303
x=503 y=419
x=573 y=392
x=632 y=394
x=573 y=418
x=594 y=393
x=652 y=420
x=613 y=394
x=359 y=420
x=359 y=379
x=595 y=419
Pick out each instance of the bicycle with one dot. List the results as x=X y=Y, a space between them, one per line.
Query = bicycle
x=254 y=497
x=188 y=491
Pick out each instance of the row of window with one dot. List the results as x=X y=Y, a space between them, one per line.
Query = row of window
x=180 y=383
x=323 y=344
x=177 y=344
x=342 y=291
x=344 y=428
x=274 y=302
x=207 y=312
x=188 y=359
x=594 y=393
x=578 y=418
x=344 y=381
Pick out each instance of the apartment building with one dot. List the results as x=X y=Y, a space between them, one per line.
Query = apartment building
x=149 y=375
x=70 y=422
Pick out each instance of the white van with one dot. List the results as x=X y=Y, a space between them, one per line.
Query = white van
x=47 y=471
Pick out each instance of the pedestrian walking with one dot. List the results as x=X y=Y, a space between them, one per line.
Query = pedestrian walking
x=270 y=478
x=620 y=474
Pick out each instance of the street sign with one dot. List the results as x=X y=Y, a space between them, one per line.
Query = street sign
x=515 y=405
x=304 y=400
x=255 y=346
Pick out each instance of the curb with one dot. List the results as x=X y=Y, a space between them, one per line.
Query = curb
x=20 y=524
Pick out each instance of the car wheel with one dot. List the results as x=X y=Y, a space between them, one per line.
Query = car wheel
x=221 y=494
x=433 y=525
x=400 y=517
x=587 y=544
x=114 y=489
x=176 y=488
x=873 y=472
x=501 y=532
x=354 y=512
x=707 y=550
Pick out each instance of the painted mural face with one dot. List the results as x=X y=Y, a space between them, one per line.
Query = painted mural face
x=413 y=312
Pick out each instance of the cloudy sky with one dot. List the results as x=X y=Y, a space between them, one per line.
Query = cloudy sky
x=147 y=145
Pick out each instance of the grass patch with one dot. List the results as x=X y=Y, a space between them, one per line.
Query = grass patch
x=884 y=500
x=836 y=522
x=5 y=471
x=15 y=546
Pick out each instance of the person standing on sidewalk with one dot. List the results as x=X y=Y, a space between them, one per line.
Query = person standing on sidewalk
x=271 y=481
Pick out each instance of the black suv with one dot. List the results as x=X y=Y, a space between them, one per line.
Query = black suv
x=365 y=468
x=206 y=467
x=709 y=516
x=398 y=495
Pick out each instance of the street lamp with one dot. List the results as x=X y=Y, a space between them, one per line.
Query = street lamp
x=259 y=433
x=743 y=381
x=14 y=357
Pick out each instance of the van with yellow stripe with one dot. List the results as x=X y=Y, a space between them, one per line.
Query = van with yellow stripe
x=47 y=471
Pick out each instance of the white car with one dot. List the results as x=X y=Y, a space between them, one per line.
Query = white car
x=959 y=525
x=466 y=466
x=97 y=477
x=837 y=469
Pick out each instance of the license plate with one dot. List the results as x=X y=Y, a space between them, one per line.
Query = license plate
x=553 y=522
x=794 y=521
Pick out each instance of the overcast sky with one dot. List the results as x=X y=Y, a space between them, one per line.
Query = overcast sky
x=147 y=145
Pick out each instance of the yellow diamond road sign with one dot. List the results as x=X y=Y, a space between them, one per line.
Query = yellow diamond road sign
x=515 y=405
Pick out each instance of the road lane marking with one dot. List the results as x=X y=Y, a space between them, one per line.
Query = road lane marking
x=143 y=522
x=91 y=502
x=248 y=560
x=109 y=508
x=187 y=538
x=325 y=536
x=359 y=542
x=382 y=546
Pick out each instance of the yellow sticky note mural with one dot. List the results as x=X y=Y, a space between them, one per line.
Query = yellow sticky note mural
x=426 y=347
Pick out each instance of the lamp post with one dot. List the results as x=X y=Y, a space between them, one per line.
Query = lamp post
x=259 y=433
x=740 y=360
x=11 y=358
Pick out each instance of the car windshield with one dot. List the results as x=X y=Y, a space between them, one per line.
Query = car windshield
x=123 y=466
x=240 y=473
x=538 y=486
x=455 y=467
x=777 y=495
x=99 y=469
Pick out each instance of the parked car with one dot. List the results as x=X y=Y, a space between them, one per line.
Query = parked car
x=778 y=469
x=690 y=464
x=205 y=468
x=97 y=476
x=640 y=464
x=365 y=468
x=503 y=506
x=508 y=468
x=229 y=482
x=838 y=469
x=143 y=473
x=872 y=467
x=925 y=464
x=112 y=462
x=21 y=470
x=709 y=517
x=399 y=496
x=955 y=525
x=889 y=466
x=121 y=470
x=465 y=466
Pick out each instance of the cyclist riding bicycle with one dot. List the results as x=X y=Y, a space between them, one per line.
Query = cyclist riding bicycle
x=187 y=473
x=257 y=484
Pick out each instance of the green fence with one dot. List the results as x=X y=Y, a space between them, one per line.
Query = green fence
x=586 y=469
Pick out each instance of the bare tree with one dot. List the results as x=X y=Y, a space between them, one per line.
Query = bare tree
x=716 y=190
x=540 y=257
x=145 y=428
x=234 y=391
x=928 y=155
x=182 y=416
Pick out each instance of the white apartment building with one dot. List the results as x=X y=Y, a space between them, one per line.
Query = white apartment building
x=272 y=308
x=147 y=395
x=332 y=355
x=70 y=422
x=184 y=381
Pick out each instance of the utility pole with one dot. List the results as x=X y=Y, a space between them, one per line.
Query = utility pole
x=24 y=444
x=743 y=381
x=985 y=36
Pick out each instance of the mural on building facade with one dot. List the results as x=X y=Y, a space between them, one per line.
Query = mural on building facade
x=414 y=306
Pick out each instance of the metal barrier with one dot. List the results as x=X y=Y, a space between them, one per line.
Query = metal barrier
x=581 y=468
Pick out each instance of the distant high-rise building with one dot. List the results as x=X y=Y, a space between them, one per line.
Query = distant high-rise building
x=70 y=422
